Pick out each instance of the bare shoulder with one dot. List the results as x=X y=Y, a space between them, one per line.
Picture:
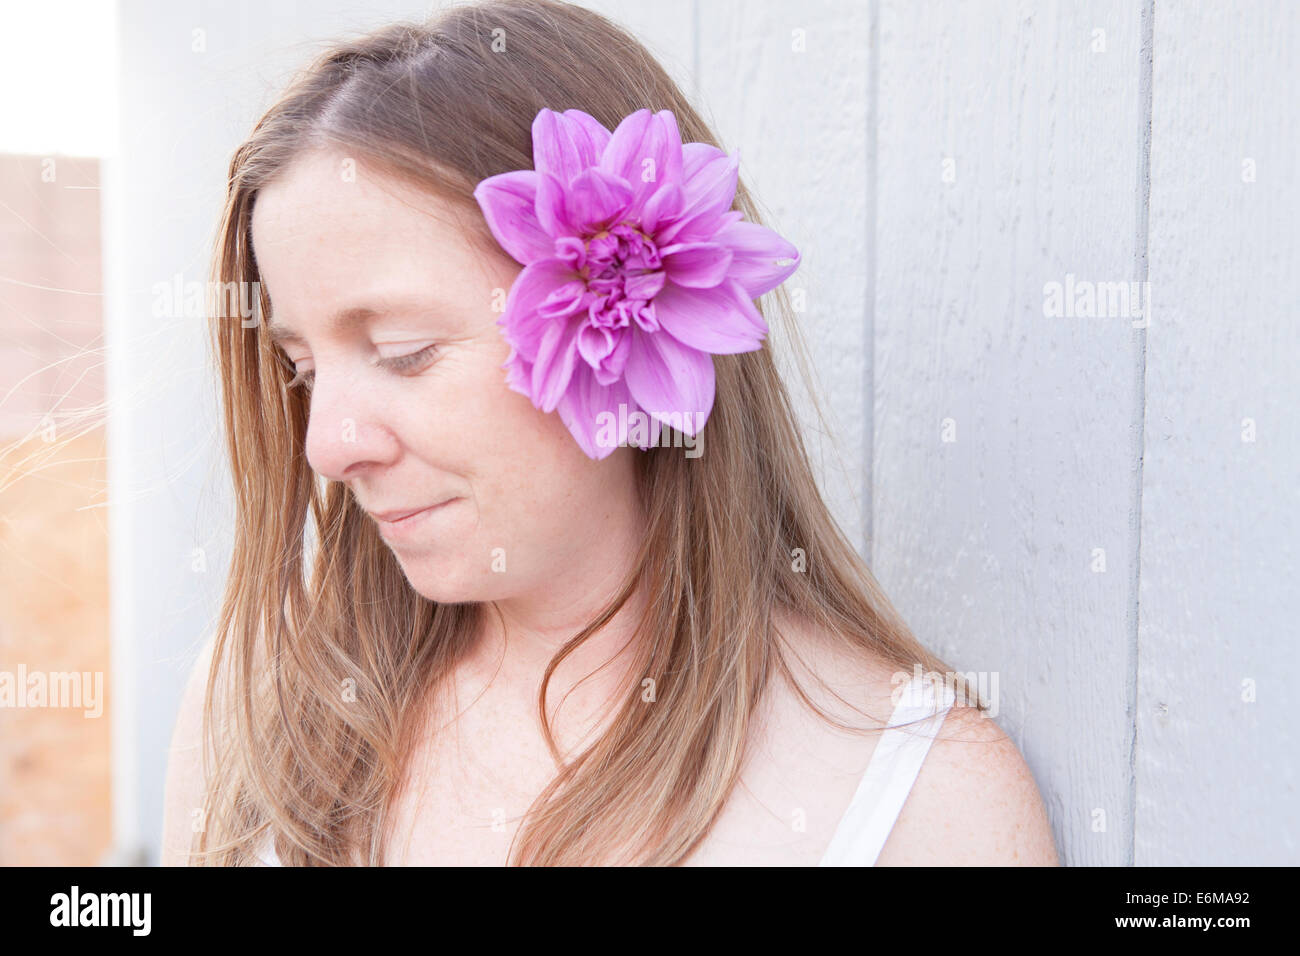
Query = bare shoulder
x=974 y=803
x=845 y=682
x=812 y=738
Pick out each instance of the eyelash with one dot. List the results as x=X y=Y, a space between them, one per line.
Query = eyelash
x=398 y=363
x=404 y=363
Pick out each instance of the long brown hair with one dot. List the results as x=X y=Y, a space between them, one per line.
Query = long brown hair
x=734 y=539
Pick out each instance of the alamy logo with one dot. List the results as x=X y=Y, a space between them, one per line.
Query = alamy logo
x=61 y=689
x=637 y=426
x=101 y=909
x=1083 y=298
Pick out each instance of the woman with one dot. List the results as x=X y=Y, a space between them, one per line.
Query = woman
x=541 y=627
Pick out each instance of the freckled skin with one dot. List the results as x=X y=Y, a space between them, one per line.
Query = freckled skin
x=449 y=426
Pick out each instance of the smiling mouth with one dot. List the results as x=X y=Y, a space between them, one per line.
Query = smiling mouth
x=410 y=518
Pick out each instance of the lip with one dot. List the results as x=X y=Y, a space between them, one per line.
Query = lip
x=399 y=524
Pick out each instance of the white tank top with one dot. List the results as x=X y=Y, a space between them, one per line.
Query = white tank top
x=890 y=773
x=885 y=785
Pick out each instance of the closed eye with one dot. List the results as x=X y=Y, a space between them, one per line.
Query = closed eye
x=405 y=363
x=397 y=363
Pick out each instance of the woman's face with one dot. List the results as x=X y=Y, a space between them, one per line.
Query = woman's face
x=379 y=298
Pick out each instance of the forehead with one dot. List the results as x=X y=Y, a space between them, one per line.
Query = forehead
x=328 y=234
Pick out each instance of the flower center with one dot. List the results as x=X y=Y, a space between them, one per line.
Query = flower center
x=622 y=272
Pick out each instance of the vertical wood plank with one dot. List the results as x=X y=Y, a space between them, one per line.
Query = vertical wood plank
x=1218 y=750
x=1005 y=447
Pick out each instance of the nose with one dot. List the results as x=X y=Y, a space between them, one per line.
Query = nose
x=346 y=432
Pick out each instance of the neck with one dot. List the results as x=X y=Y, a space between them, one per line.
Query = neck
x=519 y=636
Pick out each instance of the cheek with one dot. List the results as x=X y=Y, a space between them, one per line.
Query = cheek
x=518 y=461
x=533 y=448
x=531 y=484
x=536 y=466
x=535 y=486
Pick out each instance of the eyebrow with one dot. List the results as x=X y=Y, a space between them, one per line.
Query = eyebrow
x=343 y=318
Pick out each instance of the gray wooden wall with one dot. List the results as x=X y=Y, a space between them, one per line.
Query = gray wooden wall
x=1095 y=507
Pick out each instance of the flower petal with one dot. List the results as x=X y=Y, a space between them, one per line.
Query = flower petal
x=564 y=300
x=710 y=320
x=611 y=369
x=519 y=373
x=745 y=307
x=595 y=199
x=699 y=265
x=564 y=144
x=594 y=344
x=671 y=381
x=696 y=155
x=700 y=227
x=644 y=285
x=707 y=194
x=552 y=207
x=508 y=203
x=664 y=203
x=578 y=409
x=523 y=322
x=553 y=369
x=757 y=253
x=645 y=151
x=597 y=136
x=582 y=410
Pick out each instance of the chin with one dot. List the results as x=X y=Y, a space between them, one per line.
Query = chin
x=449 y=581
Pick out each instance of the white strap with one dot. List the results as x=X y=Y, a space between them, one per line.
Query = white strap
x=888 y=780
x=266 y=853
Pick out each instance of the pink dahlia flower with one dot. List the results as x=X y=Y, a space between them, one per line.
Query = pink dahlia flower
x=636 y=272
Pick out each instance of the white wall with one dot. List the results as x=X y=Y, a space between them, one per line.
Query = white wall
x=1124 y=688
x=1006 y=441
x=1217 y=748
x=1064 y=501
